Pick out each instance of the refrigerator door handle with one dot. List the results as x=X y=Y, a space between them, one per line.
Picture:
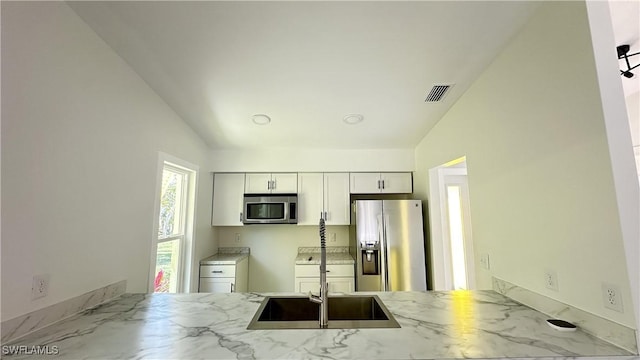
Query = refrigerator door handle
x=382 y=243
x=387 y=252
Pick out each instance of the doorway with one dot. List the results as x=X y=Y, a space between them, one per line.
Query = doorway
x=451 y=236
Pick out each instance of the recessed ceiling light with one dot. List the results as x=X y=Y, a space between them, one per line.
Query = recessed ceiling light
x=353 y=119
x=260 y=119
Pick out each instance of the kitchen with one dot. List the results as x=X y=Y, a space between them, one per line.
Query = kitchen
x=272 y=244
x=76 y=172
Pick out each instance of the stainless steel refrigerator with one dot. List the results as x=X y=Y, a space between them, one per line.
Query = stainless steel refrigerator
x=389 y=245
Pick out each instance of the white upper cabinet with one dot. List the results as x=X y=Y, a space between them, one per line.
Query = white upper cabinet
x=397 y=183
x=257 y=183
x=310 y=198
x=385 y=183
x=276 y=183
x=365 y=183
x=336 y=199
x=286 y=183
x=325 y=195
x=228 y=192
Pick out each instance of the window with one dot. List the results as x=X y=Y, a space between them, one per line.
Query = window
x=175 y=222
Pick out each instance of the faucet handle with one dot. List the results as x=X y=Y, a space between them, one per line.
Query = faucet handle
x=315 y=298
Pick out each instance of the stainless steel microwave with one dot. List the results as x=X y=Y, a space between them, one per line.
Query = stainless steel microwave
x=270 y=209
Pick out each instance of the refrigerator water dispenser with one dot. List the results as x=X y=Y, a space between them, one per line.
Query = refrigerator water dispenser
x=370 y=263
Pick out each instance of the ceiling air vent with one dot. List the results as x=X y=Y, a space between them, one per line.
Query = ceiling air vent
x=438 y=92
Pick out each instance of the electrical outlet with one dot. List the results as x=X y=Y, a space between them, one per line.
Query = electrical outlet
x=333 y=237
x=40 y=286
x=551 y=280
x=484 y=261
x=237 y=237
x=611 y=297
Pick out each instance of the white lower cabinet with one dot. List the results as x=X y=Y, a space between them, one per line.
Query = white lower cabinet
x=304 y=285
x=217 y=285
x=224 y=278
x=340 y=278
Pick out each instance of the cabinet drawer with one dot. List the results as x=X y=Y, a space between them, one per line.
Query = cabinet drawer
x=332 y=270
x=217 y=271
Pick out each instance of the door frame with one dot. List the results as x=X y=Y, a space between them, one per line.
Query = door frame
x=442 y=272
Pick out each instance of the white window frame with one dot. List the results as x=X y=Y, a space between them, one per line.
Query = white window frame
x=187 y=236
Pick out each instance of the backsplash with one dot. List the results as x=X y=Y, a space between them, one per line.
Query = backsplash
x=274 y=249
x=605 y=329
x=22 y=325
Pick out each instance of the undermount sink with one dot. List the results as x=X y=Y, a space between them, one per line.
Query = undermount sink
x=345 y=312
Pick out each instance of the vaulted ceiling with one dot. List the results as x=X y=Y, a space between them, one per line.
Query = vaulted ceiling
x=307 y=64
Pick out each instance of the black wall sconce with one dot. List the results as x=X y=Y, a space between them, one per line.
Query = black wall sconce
x=623 y=53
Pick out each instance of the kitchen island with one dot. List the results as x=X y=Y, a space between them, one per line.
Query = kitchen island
x=434 y=325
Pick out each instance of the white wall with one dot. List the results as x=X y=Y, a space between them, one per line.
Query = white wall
x=312 y=160
x=633 y=111
x=274 y=249
x=81 y=134
x=541 y=186
x=620 y=144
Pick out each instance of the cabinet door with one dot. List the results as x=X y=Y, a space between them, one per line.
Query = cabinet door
x=365 y=183
x=397 y=183
x=242 y=276
x=257 y=183
x=228 y=191
x=310 y=198
x=336 y=285
x=286 y=183
x=341 y=284
x=336 y=199
x=304 y=285
x=217 y=285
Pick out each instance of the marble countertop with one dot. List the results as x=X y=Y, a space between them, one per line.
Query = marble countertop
x=337 y=255
x=435 y=325
x=226 y=256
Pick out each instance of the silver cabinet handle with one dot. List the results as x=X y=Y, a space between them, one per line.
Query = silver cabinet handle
x=216 y=271
x=273 y=184
x=379 y=184
x=382 y=184
x=232 y=288
x=241 y=217
x=326 y=216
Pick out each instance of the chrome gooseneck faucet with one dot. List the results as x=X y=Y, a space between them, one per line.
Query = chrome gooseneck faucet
x=322 y=299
